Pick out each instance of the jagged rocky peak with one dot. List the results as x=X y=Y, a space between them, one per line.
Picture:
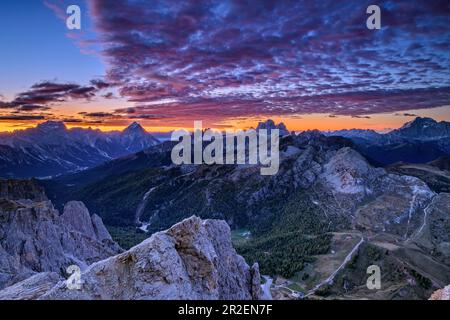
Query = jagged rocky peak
x=134 y=127
x=354 y=133
x=270 y=124
x=194 y=259
x=11 y=189
x=35 y=238
x=311 y=134
x=319 y=140
x=77 y=216
x=419 y=122
x=134 y=137
x=51 y=126
x=424 y=129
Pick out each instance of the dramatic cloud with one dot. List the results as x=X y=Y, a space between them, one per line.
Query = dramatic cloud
x=147 y=117
x=22 y=117
x=72 y=120
x=41 y=96
x=108 y=95
x=43 y=93
x=98 y=115
x=101 y=84
x=241 y=58
x=407 y=115
x=32 y=107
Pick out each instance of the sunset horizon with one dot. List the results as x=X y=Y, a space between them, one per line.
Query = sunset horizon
x=380 y=122
x=237 y=158
x=324 y=73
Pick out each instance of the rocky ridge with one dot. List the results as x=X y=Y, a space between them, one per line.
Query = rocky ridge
x=35 y=238
x=194 y=259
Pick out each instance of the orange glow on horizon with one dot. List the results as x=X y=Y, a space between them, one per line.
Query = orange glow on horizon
x=323 y=122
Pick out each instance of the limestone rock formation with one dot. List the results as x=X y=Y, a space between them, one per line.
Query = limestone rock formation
x=441 y=294
x=349 y=172
x=32 y=288
x=77 y=217
x=35 y=238
x=194 y=259
x=99 y=228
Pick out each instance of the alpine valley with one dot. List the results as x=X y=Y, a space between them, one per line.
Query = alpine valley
x=340 y=202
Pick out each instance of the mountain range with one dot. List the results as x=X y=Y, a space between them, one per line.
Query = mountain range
x=418 y=141
x=51 y=149
x=327 y=204
x=314 y=228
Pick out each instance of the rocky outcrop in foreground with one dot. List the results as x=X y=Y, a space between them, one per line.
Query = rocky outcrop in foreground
x=31 y=288
x=441 y=294
x=194 y=259
x=35 y=238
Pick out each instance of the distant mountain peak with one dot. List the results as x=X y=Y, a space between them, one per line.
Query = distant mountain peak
x=270 y=124
x=420 y=121
x=424 y=129
x=425 y=119
x=134 y=137
x=134 y=127
x=51 y=149
x=51 y=125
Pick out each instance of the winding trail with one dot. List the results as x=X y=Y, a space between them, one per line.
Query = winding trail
x=425 y=215
x=335 y=272
x=142 y=205
x=412 y=208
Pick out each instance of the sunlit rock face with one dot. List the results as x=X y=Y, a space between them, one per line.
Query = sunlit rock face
x=194 y=259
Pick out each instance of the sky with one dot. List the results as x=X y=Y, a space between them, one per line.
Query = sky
x=230 y=63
